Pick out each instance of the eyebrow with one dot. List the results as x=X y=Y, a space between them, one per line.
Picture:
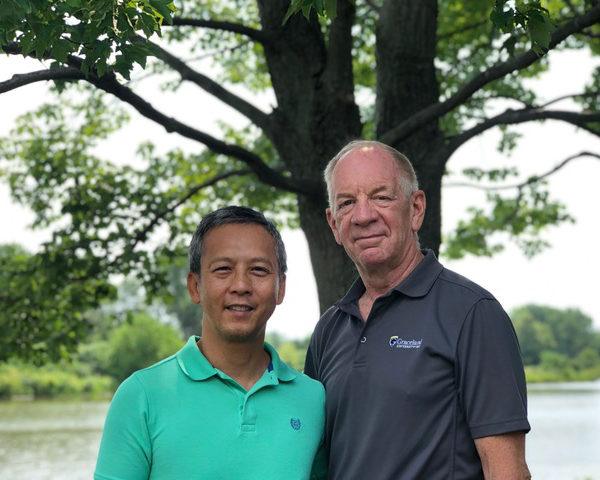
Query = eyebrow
x=371 y=192
x=251 y=260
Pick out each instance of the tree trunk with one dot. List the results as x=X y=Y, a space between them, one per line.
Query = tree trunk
x=316 y=115
x=406 y=83
x=334 y=271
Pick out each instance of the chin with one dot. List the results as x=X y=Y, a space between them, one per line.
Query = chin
x=373 y=259
x=241 y=336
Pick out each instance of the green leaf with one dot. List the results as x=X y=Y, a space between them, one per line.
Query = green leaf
x=165 y=8
x=540 y=29
x=61 y=49
x=502 y=19
x=123 y=65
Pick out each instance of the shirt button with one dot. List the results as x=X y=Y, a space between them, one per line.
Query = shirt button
x=363 y=339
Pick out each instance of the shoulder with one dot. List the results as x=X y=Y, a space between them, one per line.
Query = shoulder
x=147 y=379
x=452 y=280
x=310 y=386
x=461 y=287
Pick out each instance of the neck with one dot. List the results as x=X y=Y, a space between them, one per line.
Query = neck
x=381 y=279
x=245 y=362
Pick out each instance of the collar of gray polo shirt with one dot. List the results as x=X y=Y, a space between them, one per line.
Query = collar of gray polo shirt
x=417 y=284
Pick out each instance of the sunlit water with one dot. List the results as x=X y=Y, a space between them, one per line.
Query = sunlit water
x=59 y=440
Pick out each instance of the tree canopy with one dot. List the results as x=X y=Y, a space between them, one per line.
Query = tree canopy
x=557 y=344
x=424 y=76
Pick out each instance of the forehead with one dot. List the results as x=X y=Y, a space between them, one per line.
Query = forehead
x=365 y=168
x=239 y=241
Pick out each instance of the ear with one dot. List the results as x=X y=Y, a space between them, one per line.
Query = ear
x=193 y=282
x=417 y=207
x=332 y=225
x=281 y=289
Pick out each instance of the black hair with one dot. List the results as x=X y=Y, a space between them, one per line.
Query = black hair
x=229 y=215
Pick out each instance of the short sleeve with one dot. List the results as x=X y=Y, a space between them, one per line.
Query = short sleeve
x=125 y=449
x=491 y=380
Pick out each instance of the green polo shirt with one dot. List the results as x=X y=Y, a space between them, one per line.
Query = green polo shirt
x=184 y=419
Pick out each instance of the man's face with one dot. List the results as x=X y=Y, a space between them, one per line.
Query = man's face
x=370 y=215
x=239 y=283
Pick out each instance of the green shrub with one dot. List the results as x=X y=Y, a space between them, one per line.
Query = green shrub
x=138 y=344
x=11 y=382
x=50 y=381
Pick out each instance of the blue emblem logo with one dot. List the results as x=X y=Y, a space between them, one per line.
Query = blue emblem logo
x=295 y=423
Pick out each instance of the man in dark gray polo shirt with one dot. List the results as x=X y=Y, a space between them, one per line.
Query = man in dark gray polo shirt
x=421 y=366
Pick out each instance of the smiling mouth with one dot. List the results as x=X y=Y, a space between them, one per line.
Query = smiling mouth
x=239 y=308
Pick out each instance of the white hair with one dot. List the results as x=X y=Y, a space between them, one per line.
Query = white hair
x=407 y=178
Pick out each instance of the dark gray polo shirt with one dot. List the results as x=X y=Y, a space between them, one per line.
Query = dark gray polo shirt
x=436 y=365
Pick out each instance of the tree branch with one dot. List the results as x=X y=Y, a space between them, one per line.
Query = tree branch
x=158 y=216
x=566 y=97
x=339 y=72
x=254 y=34
x=495 y=72
x=512 y=117
x=530 y=180
x=254 y=114
x=22 y=79
x=266 y=174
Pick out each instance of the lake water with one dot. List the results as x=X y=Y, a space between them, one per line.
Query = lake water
x=59 y=440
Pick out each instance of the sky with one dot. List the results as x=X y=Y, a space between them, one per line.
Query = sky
x=564 y=275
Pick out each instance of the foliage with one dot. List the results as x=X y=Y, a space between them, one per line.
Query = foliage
x=528 y=15
x=43 y=310
x=522 y=218
x=102 y=32
x=292 y=352
x=51 y=381
x=557 y=345
x=177 y=301
x=136 y=344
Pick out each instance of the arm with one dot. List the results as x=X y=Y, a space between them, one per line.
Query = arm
x=503 y=456
x=125 y=450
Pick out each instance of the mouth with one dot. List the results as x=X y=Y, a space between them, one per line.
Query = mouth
x=367 y=238
x=238 y=307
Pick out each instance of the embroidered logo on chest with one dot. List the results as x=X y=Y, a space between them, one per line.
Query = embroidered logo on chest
x=397 y=342
x=296 y=423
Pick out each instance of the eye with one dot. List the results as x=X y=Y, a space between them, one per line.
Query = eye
x=221 y=269
x=260 y=271
x=345 y=203
x=383 y=198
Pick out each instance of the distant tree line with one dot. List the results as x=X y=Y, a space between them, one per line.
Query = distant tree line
x=557 y=345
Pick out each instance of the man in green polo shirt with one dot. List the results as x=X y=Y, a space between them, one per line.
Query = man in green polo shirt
x=225 y=406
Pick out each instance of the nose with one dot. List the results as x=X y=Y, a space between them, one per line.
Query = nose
x=363 y=212
x=241 y=283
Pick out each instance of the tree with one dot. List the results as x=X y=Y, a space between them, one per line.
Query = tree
x=41 y=318
x=424 y=76
x=138 y=343
x=564 y=332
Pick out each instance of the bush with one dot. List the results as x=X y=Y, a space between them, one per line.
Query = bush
x=50 y=381
x=137 y=344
